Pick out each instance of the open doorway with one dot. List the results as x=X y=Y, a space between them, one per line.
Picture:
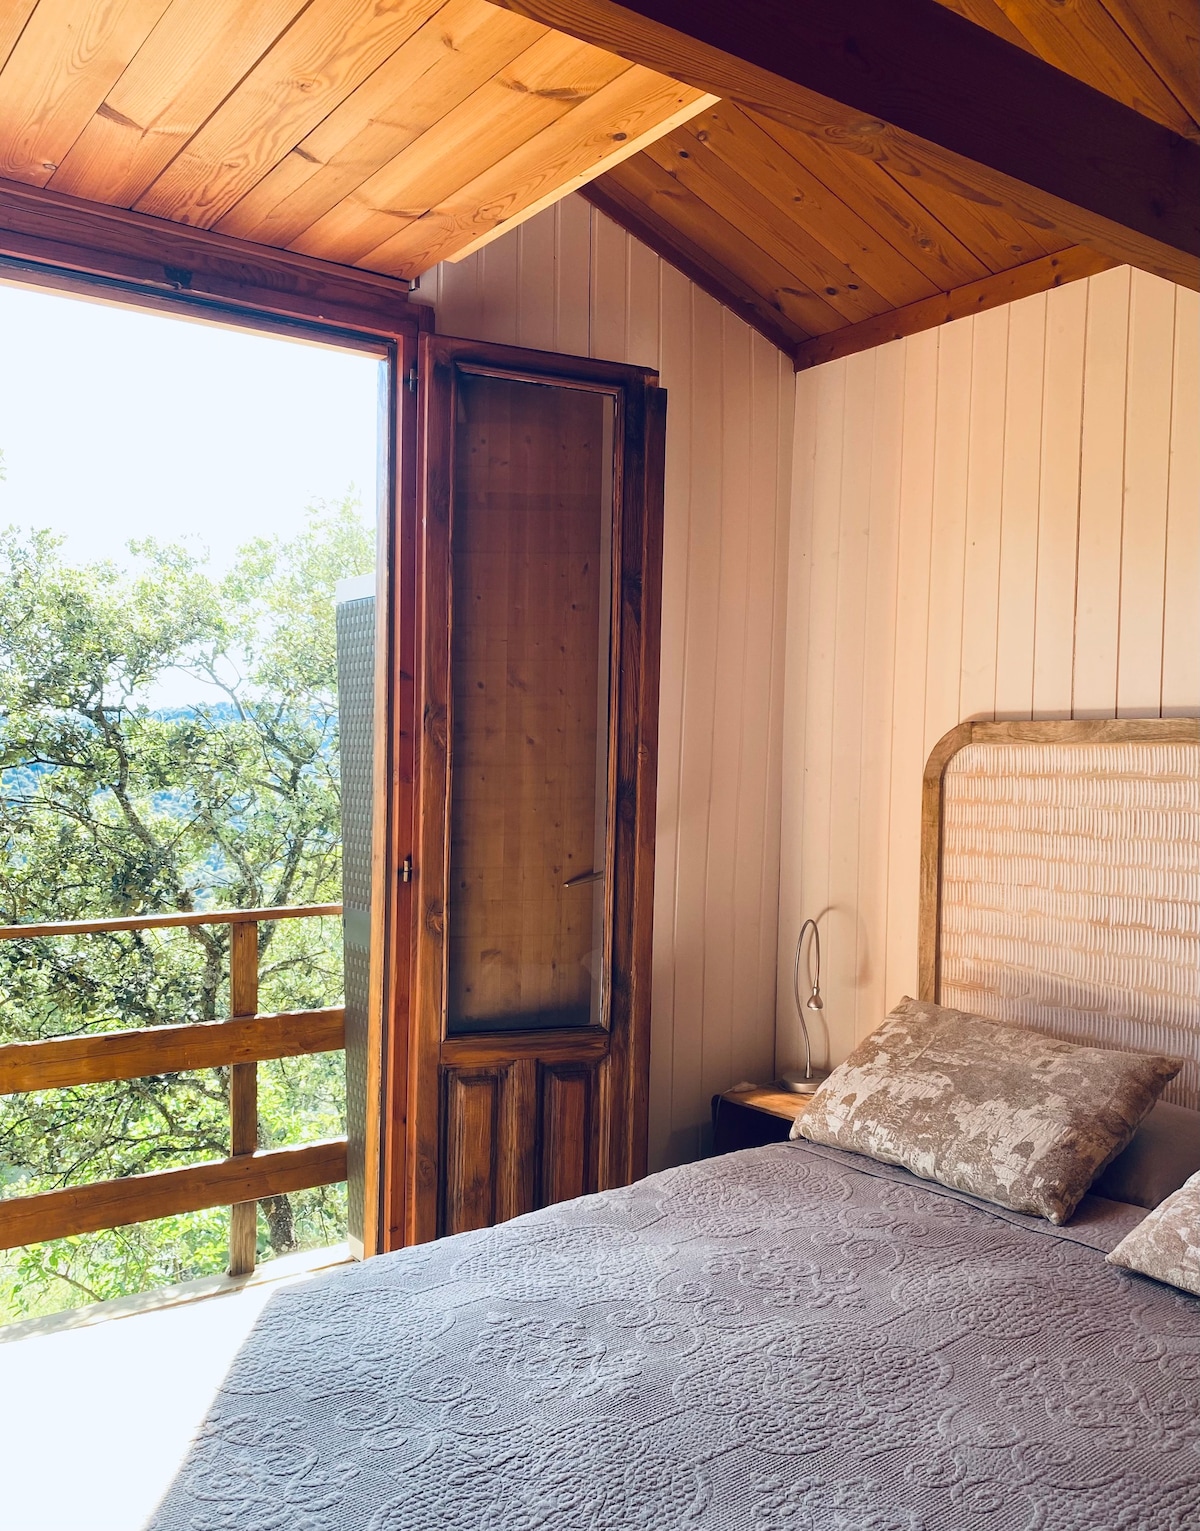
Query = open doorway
x=180 y=502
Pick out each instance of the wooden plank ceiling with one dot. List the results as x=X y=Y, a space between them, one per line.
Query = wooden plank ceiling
x=391 y=134
x=386 y=134
x=827 y=243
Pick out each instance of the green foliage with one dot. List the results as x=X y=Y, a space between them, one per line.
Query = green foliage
x=110 y=805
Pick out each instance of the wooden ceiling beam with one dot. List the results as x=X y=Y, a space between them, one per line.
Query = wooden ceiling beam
x=973 y=298
x=933 y=96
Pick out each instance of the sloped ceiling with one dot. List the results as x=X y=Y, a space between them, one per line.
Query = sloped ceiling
x=809 y=234
x=386 y=134
x=390 y=134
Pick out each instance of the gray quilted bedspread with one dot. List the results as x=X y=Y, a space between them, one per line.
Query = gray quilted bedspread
x=789 y=1339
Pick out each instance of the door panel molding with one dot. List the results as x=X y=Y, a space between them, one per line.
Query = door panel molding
x=472 y=1148
x=566 y=1151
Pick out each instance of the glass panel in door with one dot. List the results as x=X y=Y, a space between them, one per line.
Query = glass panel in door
x=531 y=561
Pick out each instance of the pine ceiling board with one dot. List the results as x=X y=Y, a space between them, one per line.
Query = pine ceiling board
x=989 y=232
x=697 y=264
x=1167 y=32
x=861 y=184
x=1082 y=39
x=331 y=49
x=745 y=148
x=454 y=53
x=987 y=13
x=728 y=247
x=13 y=16
x=68 y=57
x=599 y=133
x=617 y=149
x=187 y=66
x=537 y=88
x=782 y=239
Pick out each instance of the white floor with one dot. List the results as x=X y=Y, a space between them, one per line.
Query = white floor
x=96 y=1419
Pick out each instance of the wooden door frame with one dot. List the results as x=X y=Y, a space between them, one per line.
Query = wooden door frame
x=62 y=244
x=623 y=1049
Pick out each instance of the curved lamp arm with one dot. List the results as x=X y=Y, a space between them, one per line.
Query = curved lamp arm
x=814 y=1001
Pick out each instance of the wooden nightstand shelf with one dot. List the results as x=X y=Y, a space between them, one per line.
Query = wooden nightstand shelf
x=750 y=1118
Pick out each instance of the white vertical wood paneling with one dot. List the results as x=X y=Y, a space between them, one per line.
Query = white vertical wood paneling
x=761 y=792
x=1101 y=496
x=1020 y=507
x=878 y=690
x=731 y=429
x=904 y=751
x=846 y=717
x=674 y=919
x=793 y=886
x=821 y=600
x=700 y=716
x=1058 y=497
x=1181 y=612
x=1144 y=525
x=1003 y=521
x=985 y=477
x=948 y=535
x=569 y=280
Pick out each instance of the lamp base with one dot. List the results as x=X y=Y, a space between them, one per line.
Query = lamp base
x=801 y=1084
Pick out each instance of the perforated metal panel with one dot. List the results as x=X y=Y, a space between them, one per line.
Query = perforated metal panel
x=356 y=722
x=1070 y=893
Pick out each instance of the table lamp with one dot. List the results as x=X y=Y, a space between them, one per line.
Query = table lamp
x=811 y=1079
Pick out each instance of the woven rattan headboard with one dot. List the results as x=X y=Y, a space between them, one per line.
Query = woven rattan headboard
x=1060 y=881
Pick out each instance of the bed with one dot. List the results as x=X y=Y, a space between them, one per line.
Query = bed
x=788 y=1337
x=791 y=1338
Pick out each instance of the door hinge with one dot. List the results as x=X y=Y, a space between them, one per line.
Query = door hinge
x=411 y=380
x=406 y=869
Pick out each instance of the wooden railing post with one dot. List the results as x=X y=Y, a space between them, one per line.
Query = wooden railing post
x=62 y=1063
x=243 y=1092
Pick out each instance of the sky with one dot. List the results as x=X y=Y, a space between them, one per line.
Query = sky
x=117 y=423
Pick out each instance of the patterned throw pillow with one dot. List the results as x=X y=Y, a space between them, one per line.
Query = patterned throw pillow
x=1166 y=1245
x=997 y=1111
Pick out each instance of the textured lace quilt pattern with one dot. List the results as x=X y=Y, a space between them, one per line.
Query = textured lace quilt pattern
x=772 y=1341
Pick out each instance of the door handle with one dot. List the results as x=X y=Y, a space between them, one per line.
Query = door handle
x=578 y=882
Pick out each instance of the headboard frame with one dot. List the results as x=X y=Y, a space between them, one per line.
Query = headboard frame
x=1060 y=881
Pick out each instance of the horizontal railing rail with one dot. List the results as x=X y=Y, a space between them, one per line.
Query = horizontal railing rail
x=62 y=1062
x=167 y=921
x=241 y=1180
x=239 y=1043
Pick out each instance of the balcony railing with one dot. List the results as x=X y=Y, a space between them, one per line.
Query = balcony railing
x=239 y=1043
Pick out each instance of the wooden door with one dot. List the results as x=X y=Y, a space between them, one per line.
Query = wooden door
x=540 y=510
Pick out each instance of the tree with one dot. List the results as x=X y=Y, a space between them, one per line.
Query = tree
x=111 y=805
